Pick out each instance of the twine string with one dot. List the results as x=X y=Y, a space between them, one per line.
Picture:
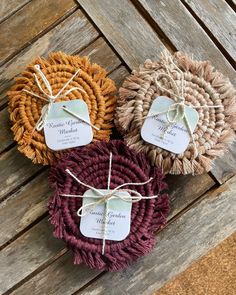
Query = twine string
x=105 y=197
x=179 y=105
x=79 y=117
x=49 y=97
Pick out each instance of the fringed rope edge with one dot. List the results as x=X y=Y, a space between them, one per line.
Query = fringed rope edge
x=27 y=144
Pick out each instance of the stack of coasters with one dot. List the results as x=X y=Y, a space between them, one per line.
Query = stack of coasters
x=179 y=111
x=130 y=223
x=33 y=105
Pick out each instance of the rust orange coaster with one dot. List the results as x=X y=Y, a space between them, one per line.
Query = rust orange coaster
x=26 y=100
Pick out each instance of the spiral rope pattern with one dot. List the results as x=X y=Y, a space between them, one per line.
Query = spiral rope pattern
x=203 y=86
x=25 y=109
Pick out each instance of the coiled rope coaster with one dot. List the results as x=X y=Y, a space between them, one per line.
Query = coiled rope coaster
x=188 y=83
x=93 y=167
x=61 y=77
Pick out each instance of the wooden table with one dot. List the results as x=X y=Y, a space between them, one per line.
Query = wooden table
x=118 y=35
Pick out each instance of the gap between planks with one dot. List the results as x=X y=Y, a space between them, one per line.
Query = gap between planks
x=10 y=7
x=229 y=55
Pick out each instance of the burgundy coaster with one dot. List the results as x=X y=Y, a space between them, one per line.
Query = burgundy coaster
x=91 y=164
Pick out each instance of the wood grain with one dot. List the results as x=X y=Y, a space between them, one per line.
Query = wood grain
x=15 y=170
x=186 y=34
x=71 y=35
x=225 y=167
x=99 y=52
x=23 y=207
x=8 y=7
x=26 y=24
x=185 y=189
x=125 y=29
x=6 y=135
x=186 y=239
x=219 y=18
x=119 y=75
x=65 y=278
x=27 y=253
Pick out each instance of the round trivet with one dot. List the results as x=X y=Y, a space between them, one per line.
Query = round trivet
x=91 y=164
x=204 y=89
x=25 y=108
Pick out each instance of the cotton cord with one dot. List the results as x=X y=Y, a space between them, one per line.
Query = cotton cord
x=189 y=83
x=79 y=117
x=59 y=77
x=92 y=167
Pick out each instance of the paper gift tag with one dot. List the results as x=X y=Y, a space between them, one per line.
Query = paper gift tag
x=119 y=218
x=177 y=137
x=62 y=130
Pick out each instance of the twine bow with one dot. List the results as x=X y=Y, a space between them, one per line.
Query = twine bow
x=49 y=97
x=103 y=197
x=178 y=108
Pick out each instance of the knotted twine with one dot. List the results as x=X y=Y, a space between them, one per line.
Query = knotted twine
x=90 y=84
x=90 y=165
x=187 y=82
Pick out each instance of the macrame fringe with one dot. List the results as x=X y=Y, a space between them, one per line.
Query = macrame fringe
x=99 y=87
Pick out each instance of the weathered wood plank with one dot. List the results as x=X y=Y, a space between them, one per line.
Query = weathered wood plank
x=26 y=254
x=125 y=29
x=26 y=24
x=8 y=7
x=225 y=167
x=185 y=33
x=119 y=75
x=65 y=278
x=6 y=136
x=219 y=18
x=23 y=207
x=185 y=189
x=186 y=239
x=71 y=35
x=15 y=170
x=100 y=52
